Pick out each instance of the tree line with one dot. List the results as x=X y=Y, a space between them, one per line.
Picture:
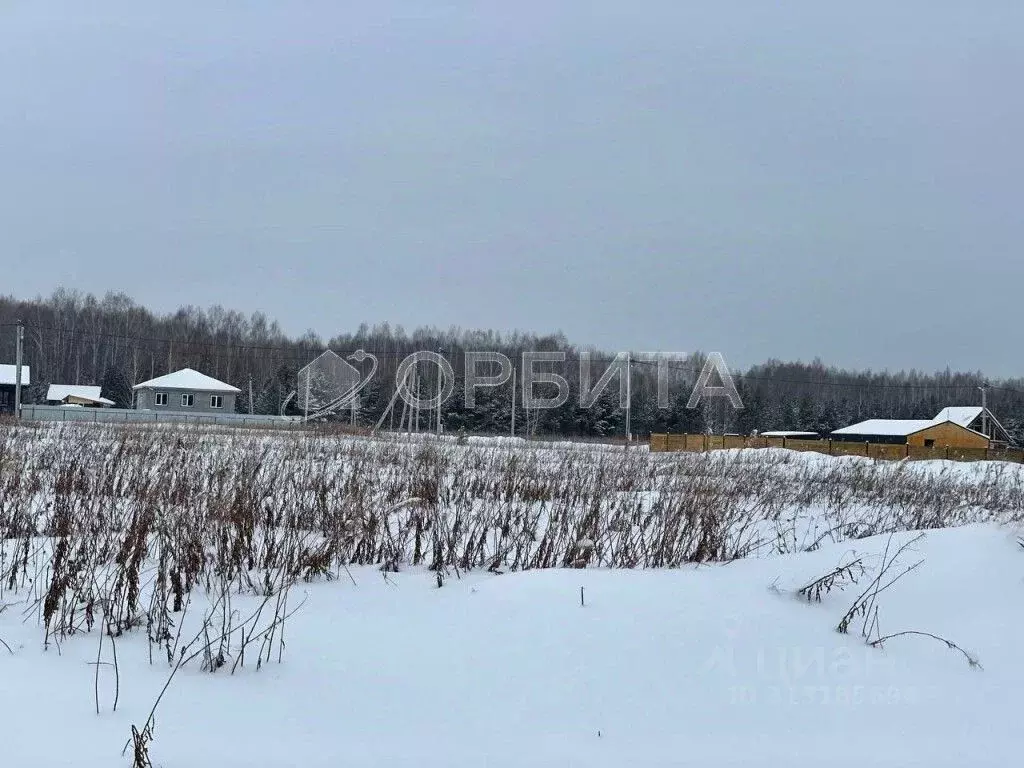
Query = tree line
x=75 y=338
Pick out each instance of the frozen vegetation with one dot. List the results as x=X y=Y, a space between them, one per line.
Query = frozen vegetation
x=222 y=598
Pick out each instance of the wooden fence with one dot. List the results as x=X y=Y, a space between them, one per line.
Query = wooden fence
x=670 y=443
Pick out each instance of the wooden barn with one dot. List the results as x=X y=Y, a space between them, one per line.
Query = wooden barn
x=978 y=419
x=952 y=428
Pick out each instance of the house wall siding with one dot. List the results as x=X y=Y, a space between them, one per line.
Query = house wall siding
x=145 y=400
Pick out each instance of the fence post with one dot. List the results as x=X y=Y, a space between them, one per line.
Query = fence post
x=830 y=447
x=705 y=442
x=867 y=449
x=947 y=453
x=908 y=451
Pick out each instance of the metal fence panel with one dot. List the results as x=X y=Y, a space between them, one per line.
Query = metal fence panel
x=125 y=416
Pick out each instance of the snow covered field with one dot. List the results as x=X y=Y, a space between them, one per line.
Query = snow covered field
x=715 y=662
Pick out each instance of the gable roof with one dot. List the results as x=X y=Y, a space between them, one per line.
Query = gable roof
x=963 y=415
x=967 y=415
x=187 y=378
x=887 y=427
x=81 y=391
x=9 y=374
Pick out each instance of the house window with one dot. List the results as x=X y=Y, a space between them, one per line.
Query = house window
x=160 y=398
x=216 y=401
x=929 y=442
x=188 y=400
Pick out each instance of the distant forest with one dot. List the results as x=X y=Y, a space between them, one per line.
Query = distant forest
x=71 y=338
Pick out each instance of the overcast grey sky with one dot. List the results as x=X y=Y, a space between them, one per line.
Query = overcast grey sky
x=790 y=179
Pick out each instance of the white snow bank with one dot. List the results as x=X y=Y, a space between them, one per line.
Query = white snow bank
x=704 y=667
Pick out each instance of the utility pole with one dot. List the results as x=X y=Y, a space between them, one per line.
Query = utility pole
x=984 y=409
x=629 y=397
x=440 y=381
x=406 y=405
x=20 y=337
x=416 y=407
x=514 y=371
x=305 y=410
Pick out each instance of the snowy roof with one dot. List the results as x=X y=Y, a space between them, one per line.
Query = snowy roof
x=186 y=378
x=963 y=415
x=890 y=427
x=81 y=391
x=8 y=374
x=788 y=433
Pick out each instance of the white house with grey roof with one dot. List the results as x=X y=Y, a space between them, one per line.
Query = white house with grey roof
x=185 y=391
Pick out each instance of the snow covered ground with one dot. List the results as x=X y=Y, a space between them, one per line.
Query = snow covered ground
x=710 y=664
x=713 y=665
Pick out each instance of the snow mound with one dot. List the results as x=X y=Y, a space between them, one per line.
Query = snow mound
x=717 y=665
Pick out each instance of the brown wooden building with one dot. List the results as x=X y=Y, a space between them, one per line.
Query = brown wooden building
x=947 y=435
x=947 y=430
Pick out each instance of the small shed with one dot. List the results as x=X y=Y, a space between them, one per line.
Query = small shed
x=185 y=391
x=8 y=383
x=77 y=394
